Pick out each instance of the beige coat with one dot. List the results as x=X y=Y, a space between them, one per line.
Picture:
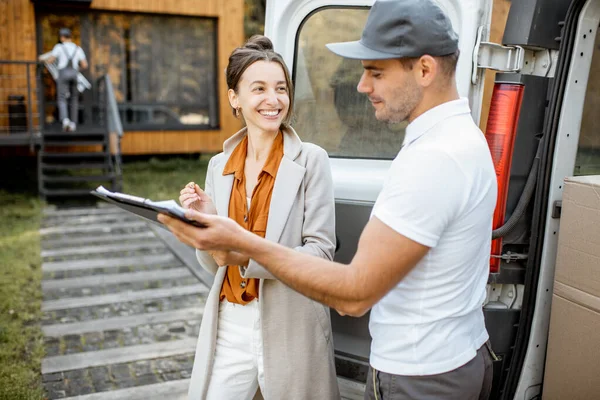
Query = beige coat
x=297 y=339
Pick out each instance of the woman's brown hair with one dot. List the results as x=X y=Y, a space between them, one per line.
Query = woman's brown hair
x=257 y=48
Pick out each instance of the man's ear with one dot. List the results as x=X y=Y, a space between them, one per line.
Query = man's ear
x=426 y=70
x=233 y=98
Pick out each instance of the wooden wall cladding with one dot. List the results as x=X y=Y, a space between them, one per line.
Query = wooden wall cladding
x=17 y=42
x=205 y=8
x=499 y=16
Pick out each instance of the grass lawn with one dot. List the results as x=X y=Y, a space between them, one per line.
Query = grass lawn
x=21 y=343
x=162 y=179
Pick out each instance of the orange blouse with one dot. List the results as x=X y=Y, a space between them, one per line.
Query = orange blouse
x=235 y=288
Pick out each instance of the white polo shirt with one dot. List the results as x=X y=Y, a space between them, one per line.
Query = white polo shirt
x=441 y=192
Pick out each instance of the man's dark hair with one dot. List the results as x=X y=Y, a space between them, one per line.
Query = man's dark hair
x=447 y=63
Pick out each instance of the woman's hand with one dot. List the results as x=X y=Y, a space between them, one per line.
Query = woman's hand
x=192 y=197
x=224 y=257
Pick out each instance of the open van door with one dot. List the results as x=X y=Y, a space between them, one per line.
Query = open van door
x=331 y=113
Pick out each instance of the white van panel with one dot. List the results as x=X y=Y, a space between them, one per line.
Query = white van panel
x=358 y=181
x=361 y=179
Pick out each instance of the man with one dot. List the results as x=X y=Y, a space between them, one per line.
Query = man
x=422 y=260
x=70 y=58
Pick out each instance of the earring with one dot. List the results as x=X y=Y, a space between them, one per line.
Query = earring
x=237 y=112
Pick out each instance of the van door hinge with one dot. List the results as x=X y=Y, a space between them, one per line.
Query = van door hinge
x=487 y=55
x=557 y=209
x=509 y=257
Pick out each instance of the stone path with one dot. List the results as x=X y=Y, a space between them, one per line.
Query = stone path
x=121 y=312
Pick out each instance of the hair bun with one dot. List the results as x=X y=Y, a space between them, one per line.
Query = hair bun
x=259 y=42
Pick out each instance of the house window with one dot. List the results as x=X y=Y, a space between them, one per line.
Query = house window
x=329 y=110
x=163 y=68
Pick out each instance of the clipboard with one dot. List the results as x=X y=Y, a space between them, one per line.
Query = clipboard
x=145 y=208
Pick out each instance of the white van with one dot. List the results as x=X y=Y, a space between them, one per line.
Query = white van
x=541 y=128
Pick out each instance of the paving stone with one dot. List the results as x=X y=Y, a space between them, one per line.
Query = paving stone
x=111 y=335
x=186 y=363
x=186 y=373
x=171 y=376
x=100 y=374
x=56 y=394
x=120 y=372
x=167 y=365
x=164 y=338
x=76 y=389
x=125 y=384
x=103 y=386
x=55 y=386
x=147 y=379
x=130 y=339
x=52 y=350
x=110 y=344
x=59 y=275
x=75 y=375
x=55 y=377
x=142 y=368
x=177 y=327
x=93 y=337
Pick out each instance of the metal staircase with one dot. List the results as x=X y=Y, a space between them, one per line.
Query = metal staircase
x=73 y=163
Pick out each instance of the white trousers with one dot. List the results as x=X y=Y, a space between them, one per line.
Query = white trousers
x=237 y=370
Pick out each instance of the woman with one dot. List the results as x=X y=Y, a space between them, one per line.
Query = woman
x=256 y=333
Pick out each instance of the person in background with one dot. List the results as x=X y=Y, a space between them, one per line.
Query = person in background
x=256 y=332
x=69 y=58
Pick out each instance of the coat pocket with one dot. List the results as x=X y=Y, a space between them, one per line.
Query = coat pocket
x=322 y=314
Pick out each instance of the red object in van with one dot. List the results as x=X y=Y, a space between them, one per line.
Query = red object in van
x=500 y=134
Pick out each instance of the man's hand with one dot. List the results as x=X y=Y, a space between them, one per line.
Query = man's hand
x=220 y=233
x=192 y=197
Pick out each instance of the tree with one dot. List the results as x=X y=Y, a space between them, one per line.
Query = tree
x=254 y=17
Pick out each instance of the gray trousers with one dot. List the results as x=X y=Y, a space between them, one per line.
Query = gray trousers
x=472 y=381
x=66 y=88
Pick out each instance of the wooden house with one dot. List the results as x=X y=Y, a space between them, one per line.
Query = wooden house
x=165 y=58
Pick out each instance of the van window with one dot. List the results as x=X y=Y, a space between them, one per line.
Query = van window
x=329 y=110
x=588 y=152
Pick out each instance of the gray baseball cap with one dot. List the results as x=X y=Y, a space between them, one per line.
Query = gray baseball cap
x=66 y=32
x=402 y=28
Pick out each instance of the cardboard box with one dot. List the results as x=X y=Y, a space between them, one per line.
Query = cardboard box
x=573 y=356
x=578 y=257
